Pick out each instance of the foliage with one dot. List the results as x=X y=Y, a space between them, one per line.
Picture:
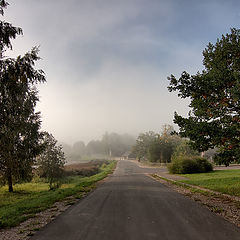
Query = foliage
x=156 y=147
x=51 y=161
x=143 y=143
x=19 y=123
x=215 y=92
x=31 y=198
x=184 y=149
x=182 y=165
x=7 y=31
x=225 y=181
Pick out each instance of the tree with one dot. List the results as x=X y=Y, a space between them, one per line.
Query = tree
x=51 y=161
x=215 y=93
x=183 y=149
x=95 y=147
x=117 y=144
x=164 y=145
x=143 y=142
x=156 y=147
x=7 y=31
x=155 y=150
x=19 y=123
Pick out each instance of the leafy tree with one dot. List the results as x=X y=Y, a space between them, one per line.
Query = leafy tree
x=184 y=150
x=143 y=142
x=155 y=150
x=51 y=161
x=156 y=147
x=215 y=93
x=19 y=123
x=162 y=148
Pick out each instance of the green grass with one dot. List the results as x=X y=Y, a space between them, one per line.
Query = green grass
x=31 y=198
x=224 y=181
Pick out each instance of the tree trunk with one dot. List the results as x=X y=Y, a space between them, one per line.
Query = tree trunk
x=10 y=185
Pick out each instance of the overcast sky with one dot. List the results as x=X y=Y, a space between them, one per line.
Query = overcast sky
x=107 y=61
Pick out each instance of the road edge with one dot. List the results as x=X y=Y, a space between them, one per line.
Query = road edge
x=223 y=205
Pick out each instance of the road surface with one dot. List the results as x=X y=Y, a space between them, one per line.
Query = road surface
x=132 y=206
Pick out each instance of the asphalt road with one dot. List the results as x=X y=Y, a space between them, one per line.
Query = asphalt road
x=132 y=206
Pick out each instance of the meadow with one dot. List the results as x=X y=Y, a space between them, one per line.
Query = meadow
x=33 y=197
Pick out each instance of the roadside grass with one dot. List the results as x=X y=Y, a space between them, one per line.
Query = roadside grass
x=224 y=181
x=31 y=198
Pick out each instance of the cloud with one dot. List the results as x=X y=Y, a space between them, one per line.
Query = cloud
x=107 y=62
x=112 y=102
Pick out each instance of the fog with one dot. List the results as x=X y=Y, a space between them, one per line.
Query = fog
x=107 y=62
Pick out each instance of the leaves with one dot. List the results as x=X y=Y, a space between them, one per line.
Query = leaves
x=215 y=98
x=3 y=4
x=51 y=160
x=156 y=147
x=19 y=123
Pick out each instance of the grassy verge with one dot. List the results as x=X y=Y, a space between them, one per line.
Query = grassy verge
x=31 y=198
x=224 y=181
x=182 y=184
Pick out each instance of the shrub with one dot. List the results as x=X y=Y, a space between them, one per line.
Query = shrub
x=204 y=165
x=51 y=161
x=182 y=165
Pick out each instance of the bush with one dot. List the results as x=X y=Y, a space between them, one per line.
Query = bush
x=182 y=165
x=204 y=165
x=51 y=161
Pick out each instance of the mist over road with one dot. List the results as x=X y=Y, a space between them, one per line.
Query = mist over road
x=132 y=206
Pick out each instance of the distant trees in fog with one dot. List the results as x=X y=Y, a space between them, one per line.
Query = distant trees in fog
x=111 y=145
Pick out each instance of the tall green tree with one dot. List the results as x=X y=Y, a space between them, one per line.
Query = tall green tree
x=19 y=122
x=214 y=120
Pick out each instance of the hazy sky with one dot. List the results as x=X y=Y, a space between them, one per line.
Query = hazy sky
x=107 y=61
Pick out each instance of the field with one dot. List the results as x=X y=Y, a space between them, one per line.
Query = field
x=31 y=198
x=85 y=169
x=224 y=181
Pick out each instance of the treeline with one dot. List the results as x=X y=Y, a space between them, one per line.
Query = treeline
x=162 y=147
x=110 y=145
